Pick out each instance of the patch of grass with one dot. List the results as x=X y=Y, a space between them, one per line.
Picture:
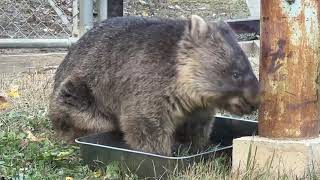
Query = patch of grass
x=22 y=158
x=184 y=150
x=213 y=169
x=29 y=153
x=28 y=147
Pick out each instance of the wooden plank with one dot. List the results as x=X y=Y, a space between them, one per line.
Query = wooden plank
x=29 y=62
x=25 y=62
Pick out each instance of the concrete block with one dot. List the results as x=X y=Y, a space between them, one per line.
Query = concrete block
x=290 y=157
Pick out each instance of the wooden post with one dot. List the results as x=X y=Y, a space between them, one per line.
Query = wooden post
x=289 y=66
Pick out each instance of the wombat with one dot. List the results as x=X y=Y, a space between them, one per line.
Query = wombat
x=147 y=76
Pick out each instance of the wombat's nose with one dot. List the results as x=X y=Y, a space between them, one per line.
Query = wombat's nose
x=252 y=95
x=255 y=99
x=255 y=96
x=255 y=104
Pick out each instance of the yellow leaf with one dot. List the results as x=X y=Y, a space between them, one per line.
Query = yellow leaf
x=64 y=153
x=69 y=178
x=145 y=13
x=14 y=92
x=4 y=106
x=33 y=138
x=97 y=173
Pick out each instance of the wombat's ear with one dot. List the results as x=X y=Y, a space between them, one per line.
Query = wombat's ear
x=198 y=28
x=225 y=29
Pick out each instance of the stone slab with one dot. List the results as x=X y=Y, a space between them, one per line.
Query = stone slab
x=290 y=157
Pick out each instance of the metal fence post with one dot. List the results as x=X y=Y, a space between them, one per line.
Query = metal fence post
x=102 y=9
x=75 y=12
x=86 y=16
x=37 y=43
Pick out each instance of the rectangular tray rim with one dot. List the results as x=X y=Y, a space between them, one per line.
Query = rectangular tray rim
x=77 y=140
x=151 y=154
x=235 y=118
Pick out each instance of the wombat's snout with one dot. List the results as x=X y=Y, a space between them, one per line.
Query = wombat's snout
x=251 y=94
x=248 y=101
x=254 y=105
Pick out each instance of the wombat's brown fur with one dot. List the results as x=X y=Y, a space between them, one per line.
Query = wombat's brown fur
x=146 y=77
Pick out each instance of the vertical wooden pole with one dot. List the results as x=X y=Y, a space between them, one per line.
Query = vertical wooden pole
x=289 y=69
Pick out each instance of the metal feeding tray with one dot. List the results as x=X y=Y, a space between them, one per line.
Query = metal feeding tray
x=109 y=147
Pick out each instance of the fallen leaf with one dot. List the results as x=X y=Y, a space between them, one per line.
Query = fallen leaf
x=3 y=99
x=4 y=104
x=14 y=92
x=62 y=154
x=98 y=173
x=202 y=8
x=142 y=2
x=177 y=7
x=33 y=138
x=145 y=13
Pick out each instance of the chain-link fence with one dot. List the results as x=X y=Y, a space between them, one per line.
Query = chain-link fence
x=59 y=23
x=37 y=19
x=49 y=23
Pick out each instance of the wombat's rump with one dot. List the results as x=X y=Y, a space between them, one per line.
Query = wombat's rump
x=148 y=76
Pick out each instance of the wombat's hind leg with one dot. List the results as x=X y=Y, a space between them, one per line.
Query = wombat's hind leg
x=71 y=124
x=73 y=112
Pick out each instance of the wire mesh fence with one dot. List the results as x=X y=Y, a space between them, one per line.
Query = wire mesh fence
x=37 y=19
x=59 y=23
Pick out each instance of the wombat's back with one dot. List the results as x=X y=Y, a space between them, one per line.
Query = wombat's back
x=118 y=43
